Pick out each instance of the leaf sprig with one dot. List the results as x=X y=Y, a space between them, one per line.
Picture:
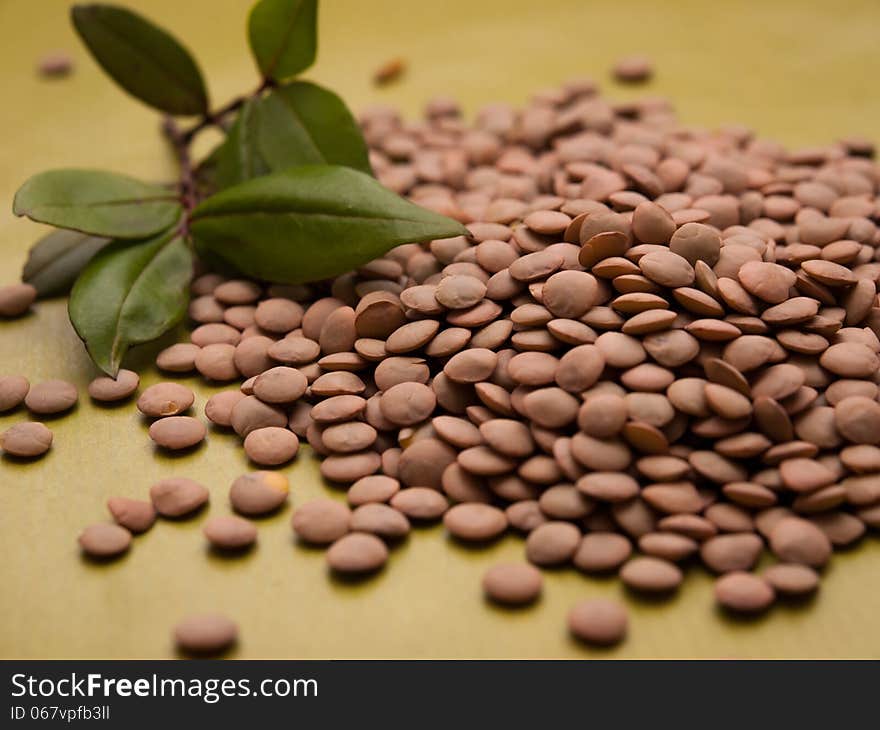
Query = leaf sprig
x=287 y=196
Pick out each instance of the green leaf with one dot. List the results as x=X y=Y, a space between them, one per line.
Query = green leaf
x=302 y=123
x=311 y=222
x=142 y=58
x=237 y=158
x=283 y=36
x=55 y=260
x=131 y=292
x=97 y=202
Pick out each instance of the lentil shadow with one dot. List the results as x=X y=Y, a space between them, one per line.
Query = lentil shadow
x=198 y=511
x=251 y=464
x=265 y=516
x=848 y=548
x=512 y=609
x=101 y=560
x=217 y=654
x=354 y=579
x=422 y=525
x=651 y=598
x=221 y=431
x=29 y=313
x=147 y=421
x=162 y=452
x=51 y=417
x=215 y=552
x=141 y=358
x=555 y=569
x=8 y=458
x=600 y=576
x=175 y=375
x=116 y=405
x=602 y=649
x=393 y=542
x=796 y=603
x=308 y=547
x=340 y=487
x=743 y=619
x=472 y=546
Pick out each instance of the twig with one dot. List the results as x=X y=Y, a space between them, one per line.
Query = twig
x=187 y=184
x=181 y=139
x=216 y=117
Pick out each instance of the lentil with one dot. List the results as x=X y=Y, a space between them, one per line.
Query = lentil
x=258 y=493
x=598 y=621
x=205 y=634
x=26 y=440
x=513 y=584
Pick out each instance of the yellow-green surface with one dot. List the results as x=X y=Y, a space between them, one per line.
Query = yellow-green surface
x=801 y=72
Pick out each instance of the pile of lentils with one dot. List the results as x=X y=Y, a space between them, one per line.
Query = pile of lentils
x=657 y=346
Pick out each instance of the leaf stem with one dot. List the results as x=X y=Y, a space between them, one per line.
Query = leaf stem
x=181 y=139
x=186 y=183
x=217 y=117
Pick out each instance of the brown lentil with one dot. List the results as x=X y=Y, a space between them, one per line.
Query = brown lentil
x=177 y=432
x=598 y=621
x=599 y=552
x=357 y=552
x=792 y=579
x=135 y=515
x=178 y=496
x=280 y=385
x=16 y=299
x=651 y=575
x=230 y=532
x=26 y=440
x=552 y=543
x=795 y=540
x=250 y=413
x=473 y=521
x=13 y=389
x=165 y=399
x=420 y=503
x=106 y=389
x=633 y=69
x=51 y=397
x=205 y=634
x=380 y=519
x=217 y=362
x=743 y=592
x=259 y=492
x=513 y=584
x=219 y=407
x=104 y=540
x=271 y=446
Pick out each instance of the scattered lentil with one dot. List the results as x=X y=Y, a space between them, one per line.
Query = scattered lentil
x=513 y=584
x=230 y=532
x=178 y=496
x=104 y=540
x=207 y=633
x=26 y=440
x=109 y=390
x=598 y=621
x=51 y=397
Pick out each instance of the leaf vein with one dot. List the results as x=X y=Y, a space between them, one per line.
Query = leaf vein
x=276 y=57
x=359 y=217
x=118 y=317
x=144 y=55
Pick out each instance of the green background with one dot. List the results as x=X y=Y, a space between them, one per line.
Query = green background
x=800 y=72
